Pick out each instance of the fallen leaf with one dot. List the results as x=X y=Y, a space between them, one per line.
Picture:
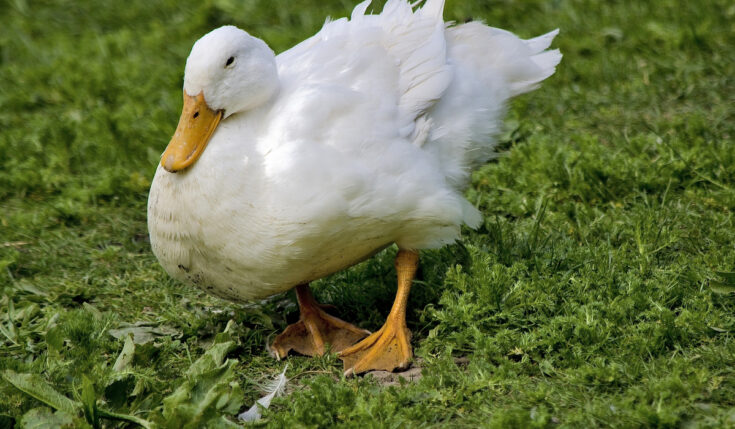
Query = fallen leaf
x=143 y=332
x=35 y=386
x=126 y=355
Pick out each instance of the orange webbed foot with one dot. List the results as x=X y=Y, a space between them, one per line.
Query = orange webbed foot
x=314 y=330
x=387 y=349
x=390 y=347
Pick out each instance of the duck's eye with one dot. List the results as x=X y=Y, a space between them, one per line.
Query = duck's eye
x=229 y=61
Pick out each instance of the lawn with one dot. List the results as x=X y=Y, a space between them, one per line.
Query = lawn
x=597 y=293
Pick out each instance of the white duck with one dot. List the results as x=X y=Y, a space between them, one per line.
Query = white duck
x=362 y=136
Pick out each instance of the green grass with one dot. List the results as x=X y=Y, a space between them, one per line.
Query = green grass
x=596 y=293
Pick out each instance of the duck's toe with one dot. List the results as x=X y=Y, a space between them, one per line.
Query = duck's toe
x=310 y=335
x=388 y=349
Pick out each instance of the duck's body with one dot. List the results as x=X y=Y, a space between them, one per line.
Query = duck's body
x=367 y=141
x=361 y=136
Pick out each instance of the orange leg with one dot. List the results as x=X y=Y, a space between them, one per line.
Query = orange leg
x=390 y=347
x=315 y=329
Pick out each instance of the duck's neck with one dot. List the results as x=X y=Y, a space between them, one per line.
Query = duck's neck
x=257 y=97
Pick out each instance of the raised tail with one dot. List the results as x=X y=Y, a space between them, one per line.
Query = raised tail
x=490 y=66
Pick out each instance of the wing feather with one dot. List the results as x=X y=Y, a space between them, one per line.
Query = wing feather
x=410 y=40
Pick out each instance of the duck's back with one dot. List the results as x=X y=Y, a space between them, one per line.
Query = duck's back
x=355 y=99
x=395 y=62
x=404 y=76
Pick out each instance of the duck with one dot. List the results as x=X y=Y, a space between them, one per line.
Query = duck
x=286 y=168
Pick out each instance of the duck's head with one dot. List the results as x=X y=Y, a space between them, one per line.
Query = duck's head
x=228 y=71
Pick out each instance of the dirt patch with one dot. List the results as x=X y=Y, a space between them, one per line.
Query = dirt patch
x=386 y=378
x=412 y=374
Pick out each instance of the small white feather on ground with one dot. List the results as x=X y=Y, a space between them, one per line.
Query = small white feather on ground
x=274 y=388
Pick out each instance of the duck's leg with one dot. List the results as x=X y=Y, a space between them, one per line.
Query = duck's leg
x=390 y=347
x=315 y=329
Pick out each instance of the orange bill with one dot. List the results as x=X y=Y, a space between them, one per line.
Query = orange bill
x=196 y=126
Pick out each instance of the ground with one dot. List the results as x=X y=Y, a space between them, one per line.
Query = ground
x=597 y=293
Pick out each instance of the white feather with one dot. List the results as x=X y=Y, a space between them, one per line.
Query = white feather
x=361 y=136
x=275 y=387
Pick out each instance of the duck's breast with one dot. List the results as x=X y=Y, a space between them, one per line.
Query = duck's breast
x=240 y=227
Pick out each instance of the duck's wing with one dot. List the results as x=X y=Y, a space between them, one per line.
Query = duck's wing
x=395 y=60
x=338 y=149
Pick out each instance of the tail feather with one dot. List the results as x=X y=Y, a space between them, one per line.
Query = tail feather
x=541 y=43
x=546 y=63
x=432 y=8
x=490 y=66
